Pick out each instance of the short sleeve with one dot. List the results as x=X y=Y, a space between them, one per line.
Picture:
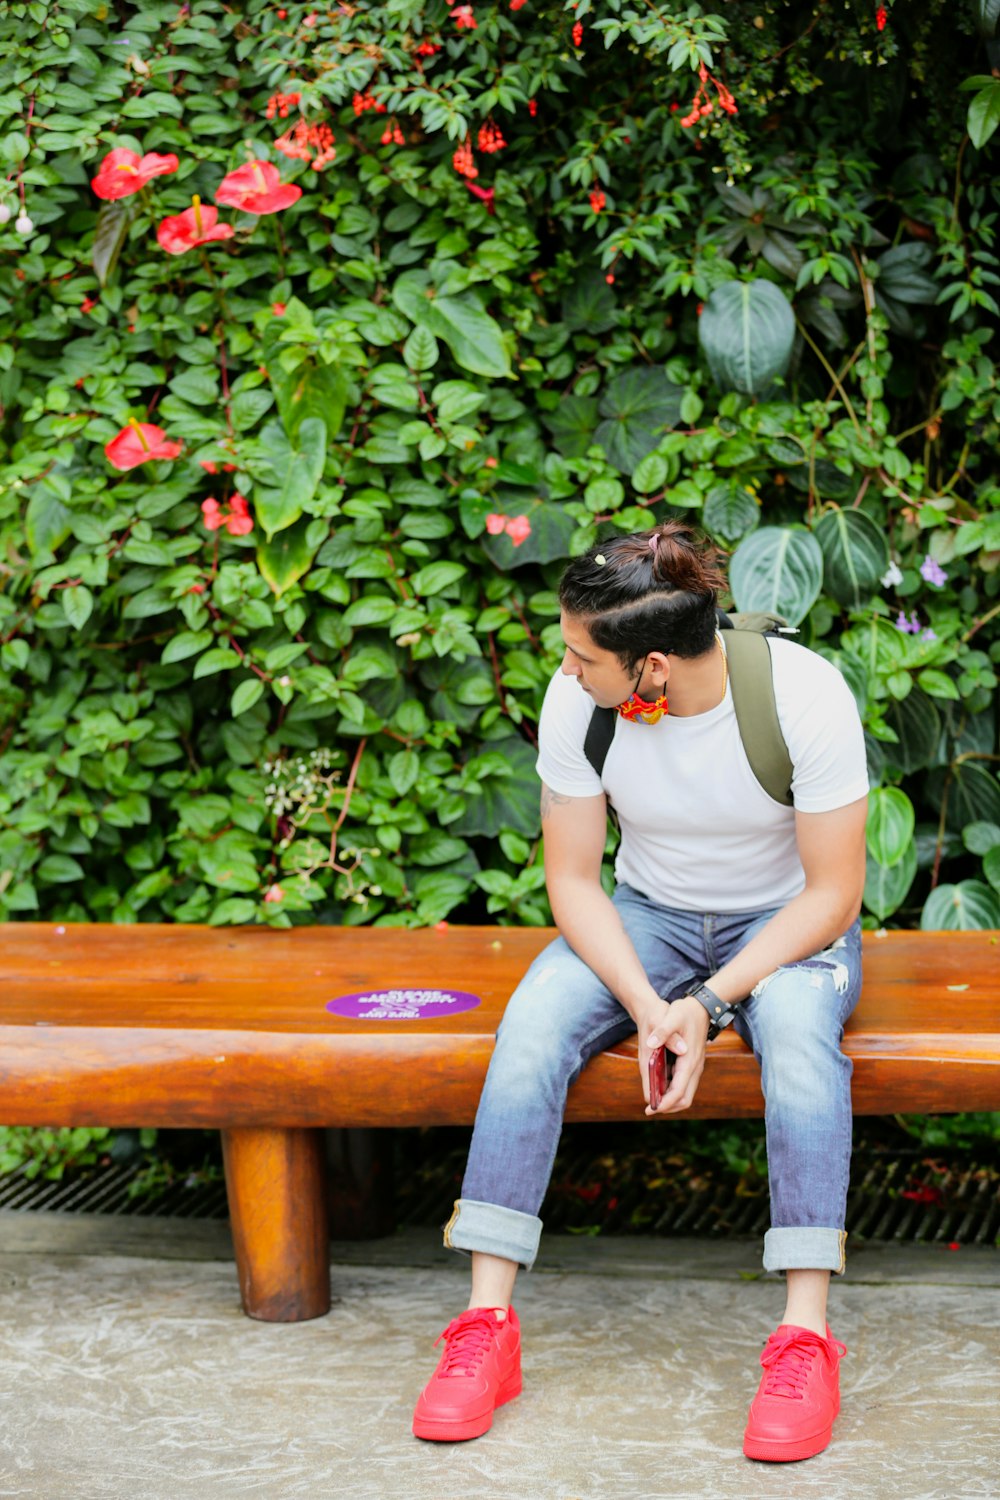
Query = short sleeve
x=822 y=728
x=562 y=730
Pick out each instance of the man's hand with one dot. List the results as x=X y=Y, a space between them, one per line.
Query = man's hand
x=684 y=1032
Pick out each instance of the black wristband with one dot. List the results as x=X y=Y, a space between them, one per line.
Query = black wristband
x=720 y=1014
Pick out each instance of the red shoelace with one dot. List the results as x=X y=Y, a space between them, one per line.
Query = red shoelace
x=788 y=1360
x=467 y=1338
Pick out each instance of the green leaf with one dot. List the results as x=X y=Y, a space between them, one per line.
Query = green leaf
x=917 y=726
x=219 y=659
x=969 y=906
x=991 y=867
x=300 y=468
x=186 y=643
x=572 y=424
x=730 y=512
x=855 y=555
x=938 y=684
x=230 y=862
x=887 y=886
x=57 y=869
x=980 y=838
x=505 y=802
x=421 y=350
x=891 y=821
x=370 y=609
x=245 y=695
x=404 y=768
x=639 y=406
x=588 y=305
x=984 y=114
x=47 y=520
x=113 y=222
x=199 y=384
x=437 y=576
x=650 y=474
x=77 y=603
x=475 y=340
x=284 y=560
x=778 y=570
x=747 y=330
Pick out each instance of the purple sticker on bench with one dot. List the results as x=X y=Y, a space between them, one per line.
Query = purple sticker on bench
x=403 y=1005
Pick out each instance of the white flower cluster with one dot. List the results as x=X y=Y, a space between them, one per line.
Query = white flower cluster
x=299 y=781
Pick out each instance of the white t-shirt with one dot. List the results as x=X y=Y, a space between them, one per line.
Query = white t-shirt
x=698 y=832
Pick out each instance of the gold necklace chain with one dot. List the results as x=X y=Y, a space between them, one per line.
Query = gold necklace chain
x=725 y=664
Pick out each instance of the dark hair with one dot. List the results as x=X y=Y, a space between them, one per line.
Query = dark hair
x=635 y=594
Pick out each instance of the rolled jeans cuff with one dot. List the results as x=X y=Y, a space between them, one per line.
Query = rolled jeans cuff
x=494 y=1230
x=807 y=1249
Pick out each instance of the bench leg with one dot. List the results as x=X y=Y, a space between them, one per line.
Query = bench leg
x=275 y=1182
x=360 y=1167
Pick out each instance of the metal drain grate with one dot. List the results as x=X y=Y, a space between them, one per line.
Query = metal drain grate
x=889 y=1199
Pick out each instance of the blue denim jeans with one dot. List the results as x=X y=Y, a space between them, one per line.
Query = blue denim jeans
x=561 y=1015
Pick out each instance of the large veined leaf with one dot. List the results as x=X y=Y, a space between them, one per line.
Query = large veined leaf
x=987 y=14
x=747 y=329
x=731 y=511
x=458 y=690
x=285 y=558
x=969 y=906
x=887 y=886
x=917 y=724
x=855 y=555
x=506 y=801
x=551 y=528
x=299 y=468
x=779 y=569
x=973 y=795
x=589 y=305
x=638 y=407
x=112 y=230
x=572 y=425
x=891 y=821
x=827 y=480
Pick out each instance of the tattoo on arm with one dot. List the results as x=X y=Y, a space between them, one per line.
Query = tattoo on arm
x=550 y=799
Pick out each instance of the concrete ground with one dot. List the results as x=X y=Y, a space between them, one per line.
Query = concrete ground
x=128 y=1372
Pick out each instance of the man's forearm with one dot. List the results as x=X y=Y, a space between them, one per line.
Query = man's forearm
x=810 y=922
x=588 y=919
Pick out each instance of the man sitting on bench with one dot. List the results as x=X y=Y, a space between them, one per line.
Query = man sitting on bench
x=730 y=907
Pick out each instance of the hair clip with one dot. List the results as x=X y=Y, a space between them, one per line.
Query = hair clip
x=653 y=541
x=600 y=560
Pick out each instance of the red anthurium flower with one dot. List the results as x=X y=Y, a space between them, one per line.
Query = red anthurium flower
x=138 y=443
x=257 y=188
x=195 y=226
x=123 y=172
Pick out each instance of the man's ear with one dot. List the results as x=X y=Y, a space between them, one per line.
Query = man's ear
x=660 y=664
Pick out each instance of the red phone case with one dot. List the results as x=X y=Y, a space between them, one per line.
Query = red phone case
x=661 y=1067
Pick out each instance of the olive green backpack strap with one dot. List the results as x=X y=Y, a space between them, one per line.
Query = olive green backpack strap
x=749 y=658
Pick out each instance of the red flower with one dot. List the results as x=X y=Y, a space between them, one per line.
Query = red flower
x=123 y=172
x=463 y=15
x=490 y=138
x=495 y=524
x=490 y=463
x=195 y=226
x=610 y=279
x=516 y=4
x=532 y=107
x=274 y=893
x=239 y=521
x=279 y=104
x=138 y=443
x=278 y=308
x=212 y=513
x=88 y=304
x=428 y=49
x=518 y=529
x=881 y=16
x=578 y=34
x=256 y=188
x=486 y=194
x=597 y=200
x=463 y=162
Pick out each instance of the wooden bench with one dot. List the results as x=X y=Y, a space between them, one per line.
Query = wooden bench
x=230 y=1028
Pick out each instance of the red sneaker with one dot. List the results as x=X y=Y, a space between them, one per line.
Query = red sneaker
x=792 y=1414
x=479 y=1370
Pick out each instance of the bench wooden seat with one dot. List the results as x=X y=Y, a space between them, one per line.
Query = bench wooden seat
x=157 y=1025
